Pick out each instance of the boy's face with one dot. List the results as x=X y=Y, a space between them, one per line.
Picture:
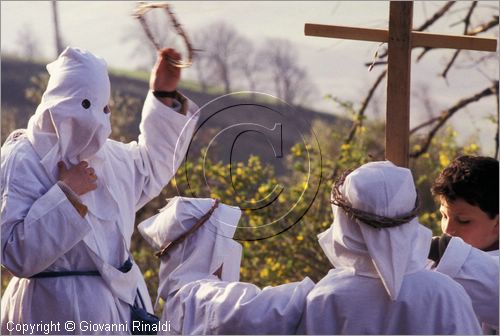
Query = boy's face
x=468 y=222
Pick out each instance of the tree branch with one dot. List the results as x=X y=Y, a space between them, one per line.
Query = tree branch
x=478 y=30
x=358 y=119
x=466 y=22
x=424 y=124
x=484 y=27
x=447 y=114
x=436 y=16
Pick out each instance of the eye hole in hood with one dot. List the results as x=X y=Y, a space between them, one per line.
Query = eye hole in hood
x=85 y=103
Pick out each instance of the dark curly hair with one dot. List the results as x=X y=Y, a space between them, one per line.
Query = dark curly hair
x=473 y=179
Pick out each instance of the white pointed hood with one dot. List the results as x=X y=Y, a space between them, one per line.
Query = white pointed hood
x=70 y=119
x=389 y=253
x=205 y=251
x=70 y=124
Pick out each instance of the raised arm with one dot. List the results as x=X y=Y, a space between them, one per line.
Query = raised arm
x=165 y=131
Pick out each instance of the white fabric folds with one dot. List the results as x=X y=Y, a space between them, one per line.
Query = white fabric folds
x=383 y=189
x=380 y=284
x=212 y=242
x=200 y=301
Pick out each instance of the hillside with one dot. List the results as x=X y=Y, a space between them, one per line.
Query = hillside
x=225 y=114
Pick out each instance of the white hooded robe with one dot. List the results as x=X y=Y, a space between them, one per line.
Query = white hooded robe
x=477 y=271
x=197 y=301
x=380 y=284
x=41 y=230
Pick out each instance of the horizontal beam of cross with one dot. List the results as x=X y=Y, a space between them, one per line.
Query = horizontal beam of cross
x=419 y=39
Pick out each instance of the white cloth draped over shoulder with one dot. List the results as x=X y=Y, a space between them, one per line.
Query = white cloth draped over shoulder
x=40 y=228
x=477 y=272
x=199 y=302
x=380 y=284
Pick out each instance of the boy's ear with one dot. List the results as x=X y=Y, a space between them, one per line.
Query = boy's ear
x=495 y=228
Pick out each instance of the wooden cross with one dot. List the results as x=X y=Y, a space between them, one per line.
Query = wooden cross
x=401 y=39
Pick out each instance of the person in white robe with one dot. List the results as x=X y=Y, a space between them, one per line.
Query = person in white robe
x=379 y=286
x=199 y=275
x=70 y=194
x=467 y=190
x=477 y=271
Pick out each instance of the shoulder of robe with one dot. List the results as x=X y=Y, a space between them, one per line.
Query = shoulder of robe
x=428 y=283
x=20 y=165
x=122 y=151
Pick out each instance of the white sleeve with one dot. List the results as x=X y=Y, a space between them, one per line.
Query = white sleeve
x=36 y=228
x=163 y=141
x=477 y=272
x=212 y=306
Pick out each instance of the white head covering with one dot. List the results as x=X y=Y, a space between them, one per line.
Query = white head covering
x=380 y=188
x=70 y=119
x=70 y=124
x=204 y=251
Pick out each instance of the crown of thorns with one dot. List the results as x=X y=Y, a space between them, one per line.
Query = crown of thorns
x=371 y=219
x=142 y=8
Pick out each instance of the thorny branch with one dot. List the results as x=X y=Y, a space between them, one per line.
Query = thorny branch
x=447 y=114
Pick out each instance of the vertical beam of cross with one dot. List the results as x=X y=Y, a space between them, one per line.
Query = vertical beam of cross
x=397 y=131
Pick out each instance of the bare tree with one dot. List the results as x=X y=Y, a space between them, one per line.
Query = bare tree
x=291 y=82
x=27 y=43
x=57 y=34
x=224 y=48
x=201 y=61
x=250 y=67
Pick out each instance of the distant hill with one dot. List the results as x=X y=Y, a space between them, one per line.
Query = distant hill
x=227 y=114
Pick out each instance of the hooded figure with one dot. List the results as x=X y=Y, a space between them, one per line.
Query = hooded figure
x=49 y=233
x=380 y=284
x=199 y=275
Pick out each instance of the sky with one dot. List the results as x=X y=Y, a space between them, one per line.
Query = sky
x=335 y=66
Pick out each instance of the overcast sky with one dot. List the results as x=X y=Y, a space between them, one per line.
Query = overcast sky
x=335 y=66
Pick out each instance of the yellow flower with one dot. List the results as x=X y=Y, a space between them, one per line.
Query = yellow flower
x=345 y=147
x=264 y=273
x=300 y=237
x=443 y=160
x=239 y=171
x=472 y=148
x=296 y=151
x=148 y=274
x=263 y=188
